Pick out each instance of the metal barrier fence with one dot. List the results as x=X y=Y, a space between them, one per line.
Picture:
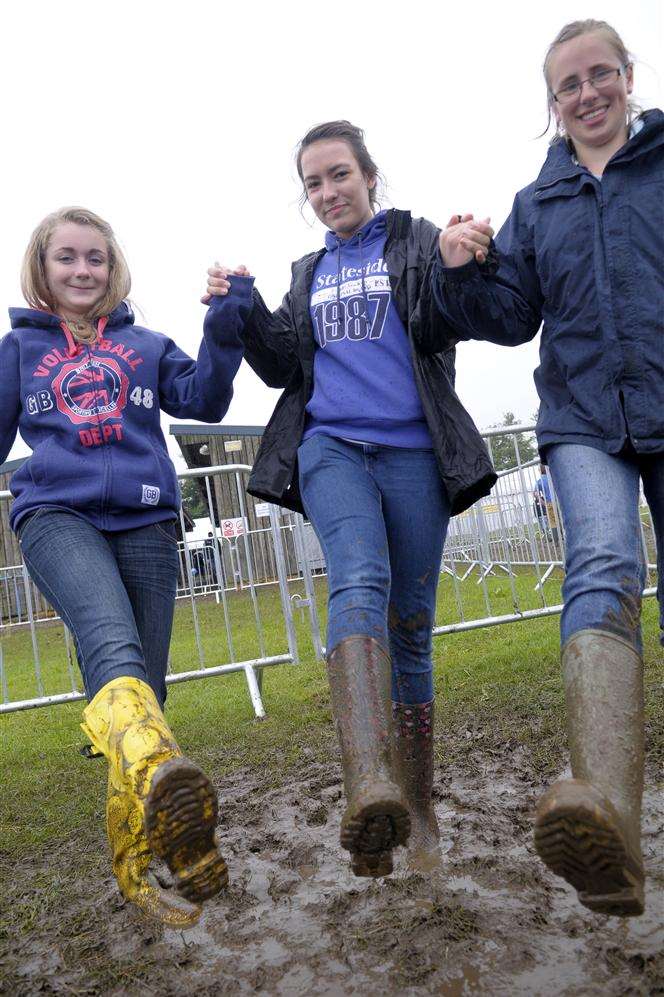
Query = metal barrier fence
x=502 y=563
x=223 y=571
x=510 y=545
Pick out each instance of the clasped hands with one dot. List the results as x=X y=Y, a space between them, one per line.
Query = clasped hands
x=218 y=282
x=464 y=238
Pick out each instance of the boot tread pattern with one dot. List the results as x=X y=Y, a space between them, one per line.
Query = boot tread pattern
x=180 y=818
x=371 y=833
x=582 y=842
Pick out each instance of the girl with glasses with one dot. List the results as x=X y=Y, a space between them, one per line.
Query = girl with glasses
x=95 y=509
x=582 y=253
x=370 y=439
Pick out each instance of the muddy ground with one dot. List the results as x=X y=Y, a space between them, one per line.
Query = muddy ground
x=492 y=921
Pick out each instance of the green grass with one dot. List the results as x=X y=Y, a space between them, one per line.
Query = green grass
x=498 y=692
x=498 y=689
x=466 y=601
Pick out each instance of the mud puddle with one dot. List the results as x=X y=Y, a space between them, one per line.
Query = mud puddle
x=296 y=922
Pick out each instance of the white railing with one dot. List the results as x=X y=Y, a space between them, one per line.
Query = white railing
x=502 y=563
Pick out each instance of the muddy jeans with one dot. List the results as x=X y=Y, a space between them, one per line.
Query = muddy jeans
x=598 y=495
x=380 y=514
x=115 y=591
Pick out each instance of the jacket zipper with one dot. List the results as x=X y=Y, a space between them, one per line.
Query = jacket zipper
x=623 y=425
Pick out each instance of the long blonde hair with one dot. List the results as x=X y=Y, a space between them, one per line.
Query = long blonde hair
x=573 y=30
x=33 y=272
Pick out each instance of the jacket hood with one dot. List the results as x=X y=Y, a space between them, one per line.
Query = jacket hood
x=371 y=232
x=559 y=164
x=373 y=229
x=34 y=318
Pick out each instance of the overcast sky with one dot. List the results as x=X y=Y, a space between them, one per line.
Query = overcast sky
x=178 y=121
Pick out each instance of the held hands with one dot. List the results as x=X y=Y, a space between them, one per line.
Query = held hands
x=217 y=281
x=463 y=239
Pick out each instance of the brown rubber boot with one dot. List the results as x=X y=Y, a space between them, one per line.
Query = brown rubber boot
x=412 y=756
x=588 y=829
x=376 y=818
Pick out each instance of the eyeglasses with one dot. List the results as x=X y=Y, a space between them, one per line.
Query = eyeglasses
x=600 y=80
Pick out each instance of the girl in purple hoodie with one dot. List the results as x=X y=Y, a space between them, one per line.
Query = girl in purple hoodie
x=95 y=509
x=371 y=441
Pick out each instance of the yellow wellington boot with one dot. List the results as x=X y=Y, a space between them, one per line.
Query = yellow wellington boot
x=174 y=797
x=131 y=859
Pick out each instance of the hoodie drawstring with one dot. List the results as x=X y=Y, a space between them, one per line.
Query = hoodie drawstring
x=75 y=348
x=364 y=290
x=339 y=285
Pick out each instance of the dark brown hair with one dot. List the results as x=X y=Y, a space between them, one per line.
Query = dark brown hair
x=354 y=136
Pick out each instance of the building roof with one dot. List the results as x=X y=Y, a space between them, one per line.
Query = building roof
x=197 y=429
x=11 y=465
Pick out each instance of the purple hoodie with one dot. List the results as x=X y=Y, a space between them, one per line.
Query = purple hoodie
x=364 y=387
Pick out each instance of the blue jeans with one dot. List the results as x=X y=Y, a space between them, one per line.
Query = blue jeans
x=381 y=516
x=115 y=592
x=598 y=495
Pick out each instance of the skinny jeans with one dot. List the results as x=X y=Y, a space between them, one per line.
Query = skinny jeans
x=115 y=591
x=598 y=494
x=381 y=515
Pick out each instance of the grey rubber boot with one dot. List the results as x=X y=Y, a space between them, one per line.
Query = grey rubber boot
x=412 y=741
x=588 y=829
x=376 y=818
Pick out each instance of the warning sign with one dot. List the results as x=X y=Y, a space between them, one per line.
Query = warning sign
x=233 y=527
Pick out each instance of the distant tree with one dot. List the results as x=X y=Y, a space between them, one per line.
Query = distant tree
x=193 y=499
x=502 y=447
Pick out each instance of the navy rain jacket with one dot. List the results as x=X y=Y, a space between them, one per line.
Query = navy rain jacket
x=585 y=257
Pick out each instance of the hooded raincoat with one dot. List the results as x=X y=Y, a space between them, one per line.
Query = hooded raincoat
x=585 y=257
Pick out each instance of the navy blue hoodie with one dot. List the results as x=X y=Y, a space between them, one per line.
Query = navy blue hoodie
x=91 y=413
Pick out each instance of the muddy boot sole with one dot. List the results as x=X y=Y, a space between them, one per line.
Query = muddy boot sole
x=373 y=865
x=578 y=835
x=180 y=821
x=376 y=822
